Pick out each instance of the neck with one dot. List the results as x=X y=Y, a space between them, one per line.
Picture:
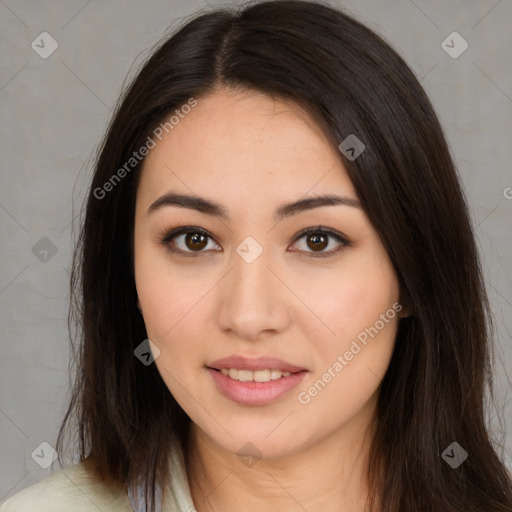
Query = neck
x=329 y=476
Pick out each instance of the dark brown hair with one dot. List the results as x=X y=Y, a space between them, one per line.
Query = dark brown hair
x=351 y=82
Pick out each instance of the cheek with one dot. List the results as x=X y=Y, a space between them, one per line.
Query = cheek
x=359 y=325
x=347 y=301
x=168 y=293
x=350 y=368
x=174 y=314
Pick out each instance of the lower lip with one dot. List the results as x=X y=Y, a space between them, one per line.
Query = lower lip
x=255 y=393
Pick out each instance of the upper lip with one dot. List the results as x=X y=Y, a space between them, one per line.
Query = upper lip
x=257 y=363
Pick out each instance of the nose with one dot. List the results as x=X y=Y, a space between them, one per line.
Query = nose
x=253 y=302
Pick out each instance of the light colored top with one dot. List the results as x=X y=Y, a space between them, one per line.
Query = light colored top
x=75 y=489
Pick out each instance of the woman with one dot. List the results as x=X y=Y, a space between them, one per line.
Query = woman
x=280 y=294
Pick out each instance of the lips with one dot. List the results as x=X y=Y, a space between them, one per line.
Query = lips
x=253 y=364
x=254 y=394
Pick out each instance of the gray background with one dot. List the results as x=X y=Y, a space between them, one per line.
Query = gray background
x=54 y=112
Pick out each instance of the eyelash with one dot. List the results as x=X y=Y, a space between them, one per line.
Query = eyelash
x=185 y=229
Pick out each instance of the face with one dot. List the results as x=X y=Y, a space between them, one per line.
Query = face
x=251 y=283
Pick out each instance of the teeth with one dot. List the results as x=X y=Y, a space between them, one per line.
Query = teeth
x=257 y=376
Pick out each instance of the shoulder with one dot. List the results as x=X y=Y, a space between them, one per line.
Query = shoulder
x=73 y=488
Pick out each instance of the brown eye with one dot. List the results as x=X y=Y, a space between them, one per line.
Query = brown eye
x=196 y=241
x=188 y=241
x=317 y=241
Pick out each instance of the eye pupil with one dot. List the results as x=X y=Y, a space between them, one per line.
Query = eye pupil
x=198 y=241
x=319 y=241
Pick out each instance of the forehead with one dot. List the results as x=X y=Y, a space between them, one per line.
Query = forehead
x=244 y=145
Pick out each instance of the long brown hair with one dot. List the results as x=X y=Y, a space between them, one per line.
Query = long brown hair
x=351 y=82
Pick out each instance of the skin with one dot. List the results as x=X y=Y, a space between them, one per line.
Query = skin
x=252 y=153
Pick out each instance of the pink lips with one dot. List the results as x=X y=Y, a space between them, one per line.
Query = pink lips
x=254 y=393
x=259 y=363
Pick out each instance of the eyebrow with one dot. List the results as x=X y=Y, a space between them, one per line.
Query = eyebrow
x=209 y=207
